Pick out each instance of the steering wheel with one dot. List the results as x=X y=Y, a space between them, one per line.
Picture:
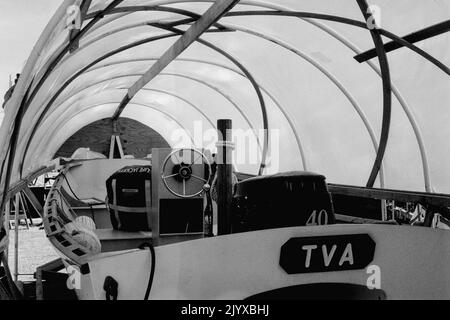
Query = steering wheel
x=183 y=170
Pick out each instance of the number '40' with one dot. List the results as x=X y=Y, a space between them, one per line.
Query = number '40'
x=319 y=219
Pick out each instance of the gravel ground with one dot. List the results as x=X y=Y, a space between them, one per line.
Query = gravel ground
x=34 y=251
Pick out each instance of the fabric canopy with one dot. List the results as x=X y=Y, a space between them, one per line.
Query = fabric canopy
x=294 y=76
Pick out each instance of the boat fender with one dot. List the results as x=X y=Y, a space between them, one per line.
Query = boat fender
x=111 y=287
x=84 y=236
x=86 y=222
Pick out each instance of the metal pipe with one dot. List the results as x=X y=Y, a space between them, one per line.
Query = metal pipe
x=224 y=183
x=16 y=237
x=387 y=95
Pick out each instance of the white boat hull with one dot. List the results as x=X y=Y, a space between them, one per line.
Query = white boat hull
x=413 y=264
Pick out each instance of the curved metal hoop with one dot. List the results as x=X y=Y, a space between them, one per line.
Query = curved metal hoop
x=19 y=121
x=387 y=95
x=309 y=17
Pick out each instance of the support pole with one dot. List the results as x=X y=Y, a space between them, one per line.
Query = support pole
x=7 y=223
x=16 y=237
x=25 y=211
x=384 y=216
x=112 y=147
x=34 y=201
x=224 y=177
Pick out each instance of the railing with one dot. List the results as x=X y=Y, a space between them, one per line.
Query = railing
x=434 y=201
x=57 y=213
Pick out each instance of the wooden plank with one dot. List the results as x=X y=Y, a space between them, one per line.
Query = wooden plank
x=112 y=146
x=119 y=146
x=85 y=8
x=417 y=36
x=33 y=200
x=214 y=13
x=438 y=200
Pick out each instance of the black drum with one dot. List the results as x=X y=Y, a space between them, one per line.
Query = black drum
x=129 y=198
x=282 y=200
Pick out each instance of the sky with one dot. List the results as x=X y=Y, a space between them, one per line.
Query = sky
x=21 y=24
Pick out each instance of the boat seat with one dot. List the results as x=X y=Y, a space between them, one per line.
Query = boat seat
x=114 y=240
x=82 y=203
x=92 y=208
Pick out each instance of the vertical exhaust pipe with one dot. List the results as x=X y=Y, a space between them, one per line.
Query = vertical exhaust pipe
x=224 y=176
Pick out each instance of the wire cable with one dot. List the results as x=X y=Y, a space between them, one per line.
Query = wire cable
x=76 y=197
x=152 y=268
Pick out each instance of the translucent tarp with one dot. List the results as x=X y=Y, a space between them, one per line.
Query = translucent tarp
x=324 y=109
